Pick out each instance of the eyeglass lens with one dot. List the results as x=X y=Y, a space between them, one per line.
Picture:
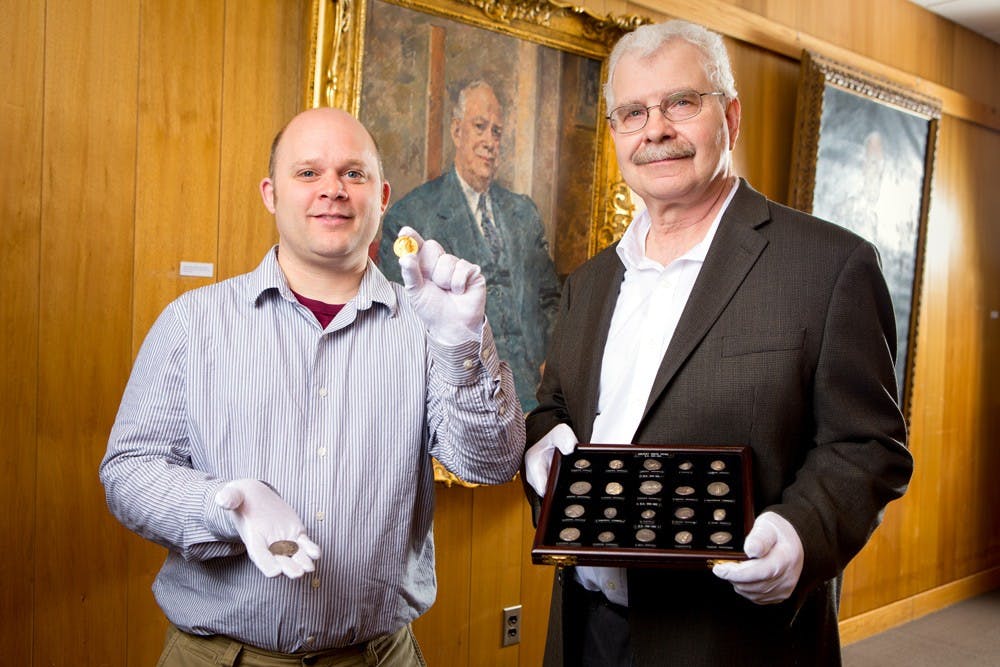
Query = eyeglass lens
x=679 y=106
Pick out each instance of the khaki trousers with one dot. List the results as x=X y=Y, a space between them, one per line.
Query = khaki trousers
x=400 y=649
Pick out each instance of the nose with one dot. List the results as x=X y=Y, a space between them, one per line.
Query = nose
x=333 y=188
x=658 y=126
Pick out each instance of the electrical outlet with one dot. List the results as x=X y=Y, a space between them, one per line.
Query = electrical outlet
x=511 y=626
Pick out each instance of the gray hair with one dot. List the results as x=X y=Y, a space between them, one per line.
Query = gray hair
x=648 y=39
x=458 y=111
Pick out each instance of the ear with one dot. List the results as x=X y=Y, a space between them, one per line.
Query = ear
x=386 y=191
x=456 y=127
x=733 y=113
x=267 y=194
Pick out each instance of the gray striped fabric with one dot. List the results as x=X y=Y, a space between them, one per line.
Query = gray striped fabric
x=237 y=380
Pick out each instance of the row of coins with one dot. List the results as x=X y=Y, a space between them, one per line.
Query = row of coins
x=718 y=465
x=575 y=511
x=647 y=535
x=649 y=488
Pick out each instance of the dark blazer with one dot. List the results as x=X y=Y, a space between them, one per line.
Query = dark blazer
x=786 y=344
x=522 y=289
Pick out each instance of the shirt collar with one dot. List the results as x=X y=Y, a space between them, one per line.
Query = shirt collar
x=269 y=278
x=471 y=196
x=632 y=247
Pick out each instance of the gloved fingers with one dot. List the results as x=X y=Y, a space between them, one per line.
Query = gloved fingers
x=409 y=270
x=229 y=497
x=291 y=566
x=428 y=255
x=761 y=539
x=464 y=275
x=406 y=230
x=261 y=556
x=443 y=271
x=537 y=464
x=310 y=548
x=746 y=572
x=303 y=560
x=564 y=438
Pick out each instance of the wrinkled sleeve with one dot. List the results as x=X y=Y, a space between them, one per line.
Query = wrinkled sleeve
x=474 y=418
x=146 y=472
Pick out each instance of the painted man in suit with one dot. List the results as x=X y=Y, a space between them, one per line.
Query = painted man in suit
x=491 y=226
x=720 y=318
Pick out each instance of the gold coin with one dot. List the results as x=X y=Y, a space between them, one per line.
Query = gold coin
x=283 y=548
x=404 y=245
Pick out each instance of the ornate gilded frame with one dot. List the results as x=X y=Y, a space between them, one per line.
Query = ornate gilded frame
x=336 y=60
x=863 y=157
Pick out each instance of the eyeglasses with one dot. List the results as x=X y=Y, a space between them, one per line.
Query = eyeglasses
x=681 y=105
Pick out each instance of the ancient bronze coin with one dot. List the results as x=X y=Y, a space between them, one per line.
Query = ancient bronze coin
x=569 y=534
x=718 y=489
x=283 y=548
x=645 y=535
x=404 y=245
x=721 y=537
x=650 y=487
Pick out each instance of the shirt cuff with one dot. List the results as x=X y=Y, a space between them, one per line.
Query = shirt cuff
x=462 y=364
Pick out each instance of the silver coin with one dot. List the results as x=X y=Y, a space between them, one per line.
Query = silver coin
x=685 y=465
x=606 y=536
x=719 y=515
x=581 y=464
x=717 y=465
x=721 y=537
x=574 y=511
x=579 y=488
x=683 y=537
x=648 y=514
x=718 y=489
x=283 y=548
x=645 y=535
x=684 y=513
x=610 y=512
x=651 y=464
x=649 y=487
x=613 y=489
x=684 y=490
x=569 y=534
x=616 y=464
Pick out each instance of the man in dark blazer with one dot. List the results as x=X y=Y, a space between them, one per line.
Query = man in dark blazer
x=720 y=318
x=487 y=224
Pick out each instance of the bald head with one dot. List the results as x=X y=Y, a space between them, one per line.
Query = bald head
x=332 y=113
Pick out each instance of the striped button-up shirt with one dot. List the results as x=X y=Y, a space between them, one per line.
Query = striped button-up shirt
x=238 y=380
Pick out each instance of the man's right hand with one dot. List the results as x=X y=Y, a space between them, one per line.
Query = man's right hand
x=263 y=519
x=538 y=458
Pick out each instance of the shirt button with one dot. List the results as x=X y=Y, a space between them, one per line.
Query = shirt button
x=611 y=586
x=468 y=363
x=323 y=392
x=320 y=516
x=315 y=582
x=321 y=451
x=502 y=410
x=311 y=639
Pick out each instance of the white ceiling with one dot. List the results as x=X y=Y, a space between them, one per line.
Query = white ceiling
x=982 y=16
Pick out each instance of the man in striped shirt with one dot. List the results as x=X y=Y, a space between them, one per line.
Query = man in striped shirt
x=282 y=423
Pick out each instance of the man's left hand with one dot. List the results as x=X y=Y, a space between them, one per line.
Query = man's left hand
x=775 y=564
x=448 y=293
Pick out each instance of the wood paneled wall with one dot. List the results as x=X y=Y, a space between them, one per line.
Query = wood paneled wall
x=134 y=133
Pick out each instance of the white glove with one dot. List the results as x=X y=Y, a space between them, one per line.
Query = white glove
x=538 y=458
x=776 y=561
x=263 y=518
x=448 y=293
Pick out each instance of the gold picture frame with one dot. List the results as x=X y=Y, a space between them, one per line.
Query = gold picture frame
x=863 y=157
x=398 y=65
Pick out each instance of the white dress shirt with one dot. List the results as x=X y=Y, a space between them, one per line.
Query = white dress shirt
x=650 y=303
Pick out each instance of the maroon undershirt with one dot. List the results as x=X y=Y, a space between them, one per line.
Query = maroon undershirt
x=324 y=312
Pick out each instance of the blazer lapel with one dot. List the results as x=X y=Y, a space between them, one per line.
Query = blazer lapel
x=733 y=252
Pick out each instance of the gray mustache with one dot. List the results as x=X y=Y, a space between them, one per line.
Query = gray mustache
x=654 y=152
